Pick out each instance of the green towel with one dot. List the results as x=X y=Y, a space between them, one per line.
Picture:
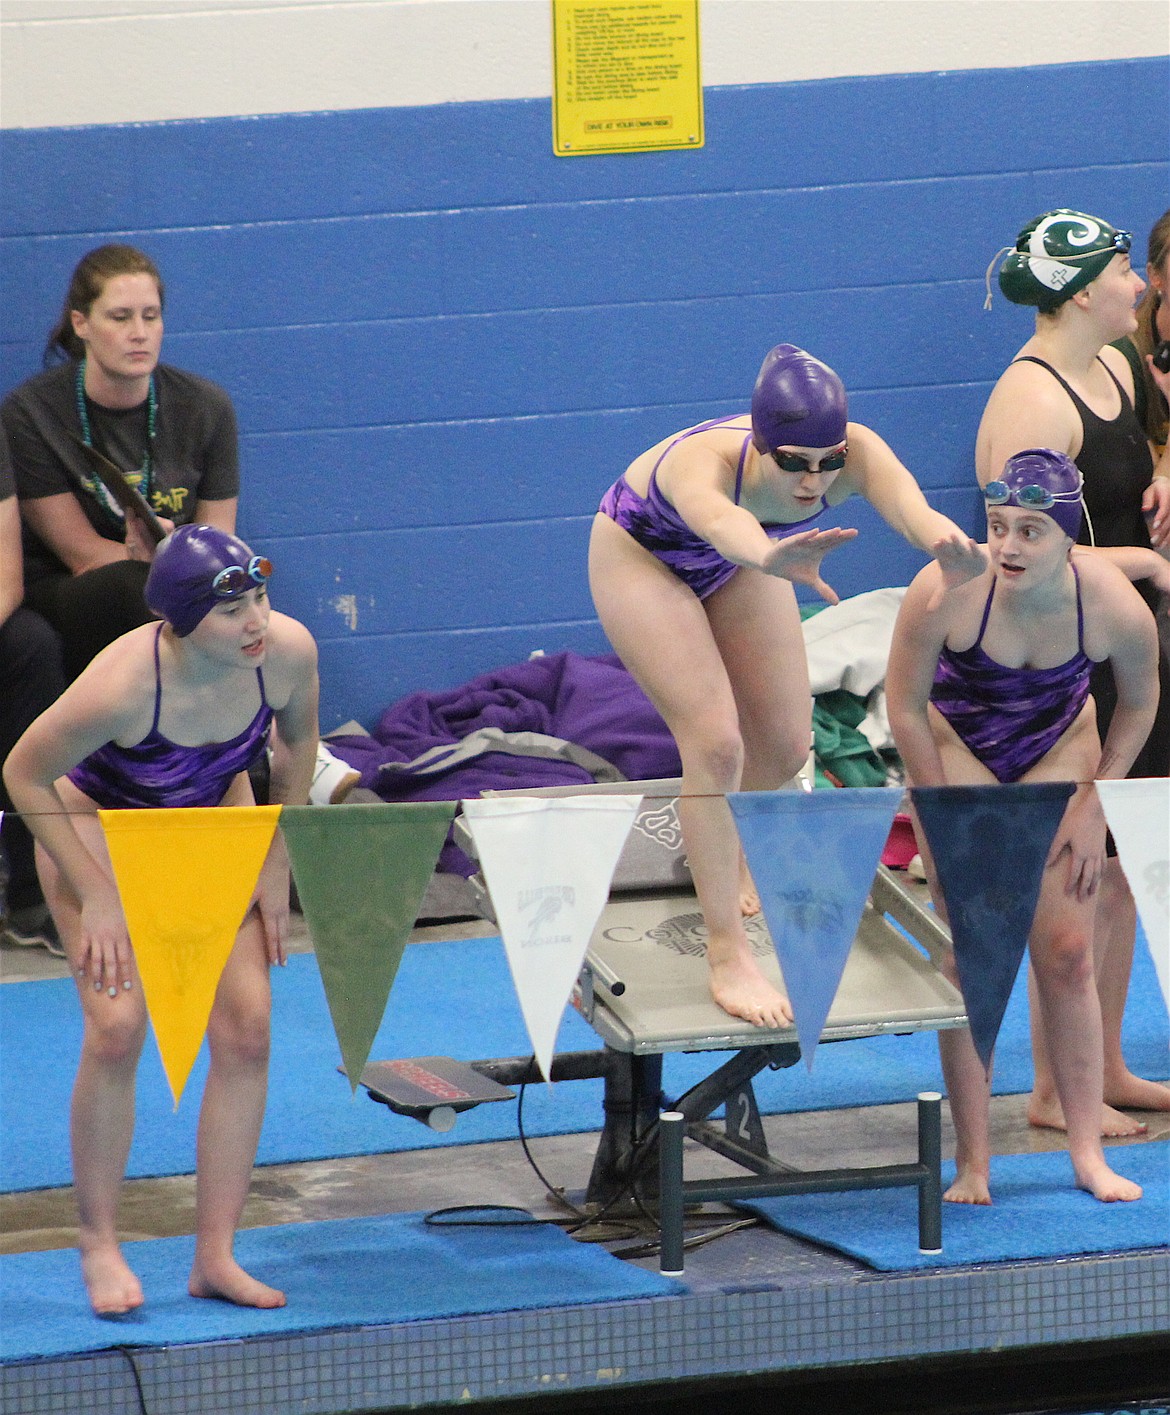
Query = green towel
x=840 y=748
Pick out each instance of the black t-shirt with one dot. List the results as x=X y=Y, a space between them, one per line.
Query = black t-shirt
x=194 y=453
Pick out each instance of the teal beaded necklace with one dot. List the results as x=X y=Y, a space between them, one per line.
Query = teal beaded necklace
x=96 y=487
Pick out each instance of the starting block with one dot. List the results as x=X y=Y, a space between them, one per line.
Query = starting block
x=433 y=1089
x=643 y=988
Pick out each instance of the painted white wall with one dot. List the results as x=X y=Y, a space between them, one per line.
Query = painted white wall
x=66 y=62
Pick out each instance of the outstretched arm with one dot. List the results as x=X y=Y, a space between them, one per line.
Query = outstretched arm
x=875 y=473
x=699 y=484
x=798 y=558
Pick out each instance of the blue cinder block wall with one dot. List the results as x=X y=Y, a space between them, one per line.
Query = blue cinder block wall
x=444 y=343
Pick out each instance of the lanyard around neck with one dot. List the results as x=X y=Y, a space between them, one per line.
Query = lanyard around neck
x=146 y=476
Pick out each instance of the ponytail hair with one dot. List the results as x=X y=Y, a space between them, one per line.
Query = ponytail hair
x=86 y=285
x=1145 y=340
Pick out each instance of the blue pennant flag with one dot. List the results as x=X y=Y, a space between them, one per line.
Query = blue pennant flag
x=813 y=856
x=990 y=845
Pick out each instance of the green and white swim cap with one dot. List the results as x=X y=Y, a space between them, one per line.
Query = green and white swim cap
x=1058 y=254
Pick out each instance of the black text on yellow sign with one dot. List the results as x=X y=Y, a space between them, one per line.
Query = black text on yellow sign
x=626 y=76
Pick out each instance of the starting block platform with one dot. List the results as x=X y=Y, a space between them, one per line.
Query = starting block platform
x=643 y=988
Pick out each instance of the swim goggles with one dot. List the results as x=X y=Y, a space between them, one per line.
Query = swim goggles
x=1031 y=498
x=1121 y=241
x=235 y=580
x=794 y=462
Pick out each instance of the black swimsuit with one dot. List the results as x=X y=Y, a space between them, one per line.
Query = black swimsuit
x=1117 y=466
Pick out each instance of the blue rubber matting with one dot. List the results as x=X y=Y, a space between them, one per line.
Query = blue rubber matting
x=1036 y=1212
x=335 y=1274
x=451 y=998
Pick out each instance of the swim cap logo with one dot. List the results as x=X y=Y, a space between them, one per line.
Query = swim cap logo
x=1067 y=232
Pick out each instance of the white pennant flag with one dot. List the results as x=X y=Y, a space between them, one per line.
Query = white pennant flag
x=1138 y=812
x=548 y=863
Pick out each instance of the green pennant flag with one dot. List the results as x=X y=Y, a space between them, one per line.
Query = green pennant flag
x=361 y=873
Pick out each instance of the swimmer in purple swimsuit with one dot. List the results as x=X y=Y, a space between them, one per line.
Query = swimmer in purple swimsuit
x=990 y=683
x=171 y=714
x=691 y=564
x=1069 y=388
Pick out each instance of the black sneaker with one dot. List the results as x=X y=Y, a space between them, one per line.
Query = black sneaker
x=32 y=928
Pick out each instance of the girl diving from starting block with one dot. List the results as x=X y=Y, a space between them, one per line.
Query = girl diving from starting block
x=691 y=561
x=171 y=714
x=991 y=683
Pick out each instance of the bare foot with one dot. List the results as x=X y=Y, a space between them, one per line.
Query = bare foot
x=1135 y=1093
x=740 y=988
x=113 y=1289
x=1048 y=1115
x=233 y=1284
x=1104 y=1184
x=970 y=1187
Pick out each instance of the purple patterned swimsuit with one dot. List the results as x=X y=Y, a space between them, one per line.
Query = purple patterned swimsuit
x=656 y=525
x=1010 y=717
x=156 y=772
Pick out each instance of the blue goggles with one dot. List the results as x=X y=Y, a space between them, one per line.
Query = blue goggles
x=1031 y=498
x=235 y=580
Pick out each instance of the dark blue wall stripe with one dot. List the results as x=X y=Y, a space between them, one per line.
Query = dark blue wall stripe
x=444 y=343
x=456 y=156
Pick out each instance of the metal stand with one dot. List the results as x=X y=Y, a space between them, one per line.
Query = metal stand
x=674 y=1190
x=641 y=1011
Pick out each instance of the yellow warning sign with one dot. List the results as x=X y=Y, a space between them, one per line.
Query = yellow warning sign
x=626 y=76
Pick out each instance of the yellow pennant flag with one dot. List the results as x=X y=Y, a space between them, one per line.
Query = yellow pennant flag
x=186 y=877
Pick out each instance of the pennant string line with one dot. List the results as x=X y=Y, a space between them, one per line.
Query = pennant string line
x=592 y=795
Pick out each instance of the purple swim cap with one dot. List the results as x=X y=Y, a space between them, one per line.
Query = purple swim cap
x=1039 y=479
x=181 y=585
x=797 y=402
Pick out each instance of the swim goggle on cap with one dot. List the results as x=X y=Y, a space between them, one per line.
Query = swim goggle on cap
x=1039 y=479
x=197 y=567
x=1056 y=255
x=797 y=402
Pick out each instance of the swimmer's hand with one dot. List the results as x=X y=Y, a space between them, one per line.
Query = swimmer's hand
x=798 y=558
x=1156 y=510
x=105 y=941
x=271 y=900
x=960 y=559
x=1082 y=834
